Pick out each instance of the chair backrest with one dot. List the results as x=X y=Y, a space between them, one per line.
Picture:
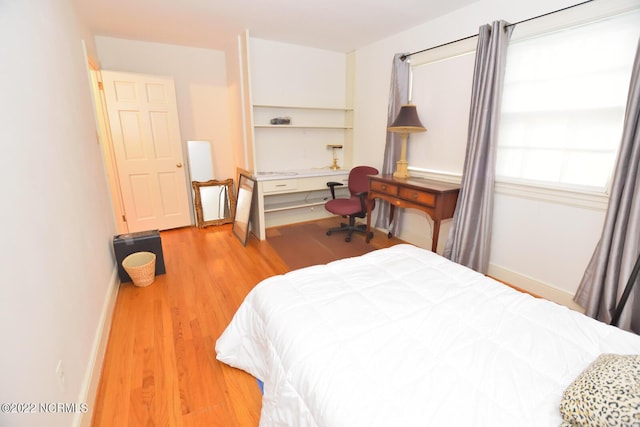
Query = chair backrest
x=358 y=181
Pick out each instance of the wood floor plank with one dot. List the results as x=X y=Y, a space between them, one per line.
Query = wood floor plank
x=160 y=367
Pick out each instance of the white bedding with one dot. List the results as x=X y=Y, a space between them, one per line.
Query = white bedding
x=404 y=337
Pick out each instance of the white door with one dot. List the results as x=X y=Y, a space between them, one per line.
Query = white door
x=143 y=118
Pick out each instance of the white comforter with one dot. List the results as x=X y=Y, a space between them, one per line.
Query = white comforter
x=404 y=337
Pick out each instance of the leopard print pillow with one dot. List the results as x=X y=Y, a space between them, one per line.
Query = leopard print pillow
x=607 y=393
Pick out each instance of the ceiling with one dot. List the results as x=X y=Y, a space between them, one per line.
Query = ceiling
x=338 y=25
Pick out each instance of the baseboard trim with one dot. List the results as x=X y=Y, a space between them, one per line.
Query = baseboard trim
x=94 y=367
x=534 y=286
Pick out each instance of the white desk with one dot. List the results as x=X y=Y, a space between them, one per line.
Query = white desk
x=288 y=197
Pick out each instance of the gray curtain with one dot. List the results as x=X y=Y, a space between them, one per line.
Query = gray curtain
x=398 y=95
x=470 y=235
x=617 y=251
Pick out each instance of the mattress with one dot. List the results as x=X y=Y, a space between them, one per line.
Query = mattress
x=404 y=337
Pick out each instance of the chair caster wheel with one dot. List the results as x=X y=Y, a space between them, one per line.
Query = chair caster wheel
x=347 y=239
x=328 y=233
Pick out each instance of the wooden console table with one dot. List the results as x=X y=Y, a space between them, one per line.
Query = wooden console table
x=436 y=198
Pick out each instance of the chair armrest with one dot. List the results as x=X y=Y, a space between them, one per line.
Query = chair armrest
x=332 y=186
x=363 y=199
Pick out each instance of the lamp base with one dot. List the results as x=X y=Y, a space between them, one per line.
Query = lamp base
x=401 y=169
x=334 y=166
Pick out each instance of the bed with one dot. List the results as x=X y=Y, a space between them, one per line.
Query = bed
x=404 y=337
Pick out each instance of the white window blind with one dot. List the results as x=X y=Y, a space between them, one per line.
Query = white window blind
x=563 y=104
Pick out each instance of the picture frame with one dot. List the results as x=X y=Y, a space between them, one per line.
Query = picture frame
x=244 y=202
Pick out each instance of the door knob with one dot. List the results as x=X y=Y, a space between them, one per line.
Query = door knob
x=179 y=165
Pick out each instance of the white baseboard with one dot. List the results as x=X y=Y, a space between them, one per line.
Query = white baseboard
x=94 y=367
x=534 y=286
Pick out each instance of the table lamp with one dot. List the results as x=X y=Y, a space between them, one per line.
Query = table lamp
x=333 y=148
x=405 y=123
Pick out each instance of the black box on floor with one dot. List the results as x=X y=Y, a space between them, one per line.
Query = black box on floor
x=143 y=241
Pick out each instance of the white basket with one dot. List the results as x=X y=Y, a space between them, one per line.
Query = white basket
x=141 y=267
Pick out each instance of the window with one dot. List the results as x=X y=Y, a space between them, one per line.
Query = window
x=563 y=104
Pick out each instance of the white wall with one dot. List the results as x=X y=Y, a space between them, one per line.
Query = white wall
x=56 y=262
x=538 y=245
x=284 y=74
x=288 y=74
x=201 y=89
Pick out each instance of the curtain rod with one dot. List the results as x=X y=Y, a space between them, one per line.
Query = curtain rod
x=404 y=57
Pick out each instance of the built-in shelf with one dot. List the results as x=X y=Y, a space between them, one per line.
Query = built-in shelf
x=302 y=127
x=293 y=162
x=303 y=117
x=288 y=199
x=275 y=207
x=300 y=107
x=304 y=140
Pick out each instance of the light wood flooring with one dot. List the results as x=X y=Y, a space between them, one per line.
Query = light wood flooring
x=160 y=367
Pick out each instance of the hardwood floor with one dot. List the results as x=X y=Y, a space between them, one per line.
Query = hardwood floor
x=160 y=367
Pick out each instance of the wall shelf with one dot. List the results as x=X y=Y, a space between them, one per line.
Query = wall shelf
x=302 y=127
x=303 y=141
x=300 y=107
x=303 y=117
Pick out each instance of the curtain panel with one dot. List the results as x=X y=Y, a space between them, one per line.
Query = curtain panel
x=398 y=95
x=470 y=234
x=617 y=251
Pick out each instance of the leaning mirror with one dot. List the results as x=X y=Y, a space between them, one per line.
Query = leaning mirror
x=243 y=210
x=214 y=202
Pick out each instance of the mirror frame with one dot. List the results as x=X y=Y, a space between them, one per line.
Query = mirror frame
x=197 y=185
x=241 y=220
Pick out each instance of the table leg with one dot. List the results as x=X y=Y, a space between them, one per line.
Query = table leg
x=436 y=234
x=392 y=209
x=368 y=233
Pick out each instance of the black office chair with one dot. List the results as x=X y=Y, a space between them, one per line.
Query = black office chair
x=354 y=206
